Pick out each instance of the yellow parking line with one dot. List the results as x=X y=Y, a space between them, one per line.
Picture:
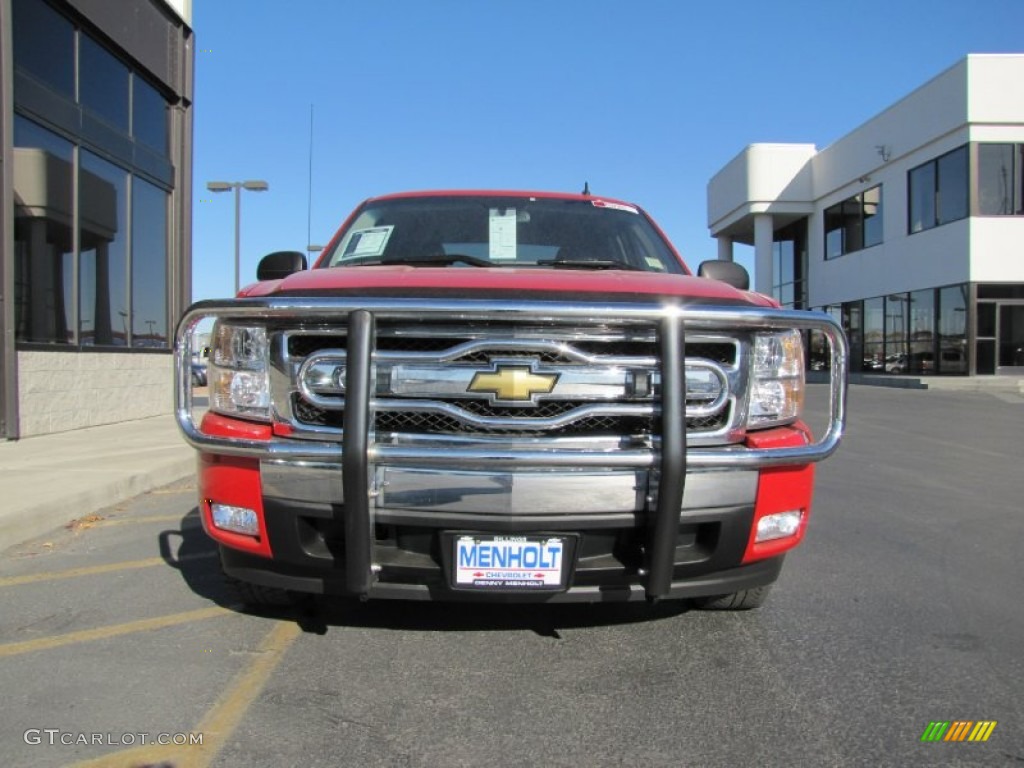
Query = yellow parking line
x=115 y=630
x=229 y=709
x=92 y=570
x=223 y=717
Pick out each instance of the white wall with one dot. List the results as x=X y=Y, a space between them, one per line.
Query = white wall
x=59 y=391
x=925 y=260
x=758 y=179
x=995 y=94
x=997 y=249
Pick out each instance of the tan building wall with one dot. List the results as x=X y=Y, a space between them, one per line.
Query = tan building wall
x=63 y=391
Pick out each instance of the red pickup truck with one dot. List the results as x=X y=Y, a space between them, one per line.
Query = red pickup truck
x=505 y=396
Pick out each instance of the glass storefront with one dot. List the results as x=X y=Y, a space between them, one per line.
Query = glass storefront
x=927 y=332
x=92 y=180
x=918 y=333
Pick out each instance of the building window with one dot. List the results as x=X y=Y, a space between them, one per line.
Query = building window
x=874 y=335
x=938 y=191
x=921 y=357
x=952 y=329
x=789 y=267
x=149 y=115
x=149 y=265
x=102 y=83
x=103 y=266
x=43 y=242
x=819 y=352
x=854 y=224
x=44 y=45
x=1000 y=187
x=897 y=317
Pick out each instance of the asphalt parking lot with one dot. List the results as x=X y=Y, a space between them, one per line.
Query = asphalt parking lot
x=902 y=608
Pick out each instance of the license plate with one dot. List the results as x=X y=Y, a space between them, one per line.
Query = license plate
x=510 y=562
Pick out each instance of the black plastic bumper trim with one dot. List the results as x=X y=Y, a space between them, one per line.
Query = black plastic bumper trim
x=724 y=582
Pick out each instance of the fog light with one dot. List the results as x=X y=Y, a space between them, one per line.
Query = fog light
x=778 y=526
x=237 y=519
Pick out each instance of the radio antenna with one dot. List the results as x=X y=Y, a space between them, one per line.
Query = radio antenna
x=309 y=205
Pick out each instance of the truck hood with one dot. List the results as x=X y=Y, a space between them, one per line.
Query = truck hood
x=506 y=283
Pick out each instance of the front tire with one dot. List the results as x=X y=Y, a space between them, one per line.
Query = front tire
x=743 y=600
x=257 y=596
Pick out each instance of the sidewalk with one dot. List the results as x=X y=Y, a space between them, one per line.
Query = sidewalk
x=47 y=481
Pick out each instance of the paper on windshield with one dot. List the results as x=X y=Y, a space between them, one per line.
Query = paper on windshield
x=502 y=244
x=368 y=242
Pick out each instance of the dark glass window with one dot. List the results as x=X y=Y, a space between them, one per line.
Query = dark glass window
x=44 y=44
x=43 y=243
x=986 y=320
x=922 y=197
x=897 y=316
x=834 y=231
x=103 y=295
x=1001 y=291
x=789 y=255
x=874 y=335
x=922 y=332
x=149 y=115
x=819 y=353
x=952 y=186
x=986 y=351
x=1011 y=336
x=102 y=83
x=938 y=191
x=996 y=183
x=854 y=224
x=149 y=265
x=952 y=328
x=853 y=313
x=872 y=202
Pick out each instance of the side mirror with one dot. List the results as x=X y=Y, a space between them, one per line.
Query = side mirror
x=727 y=271
x=279 y=264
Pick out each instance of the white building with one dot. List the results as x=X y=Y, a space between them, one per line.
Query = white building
x=910 y=228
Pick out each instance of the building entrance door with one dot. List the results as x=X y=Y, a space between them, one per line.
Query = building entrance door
x=1010 y=339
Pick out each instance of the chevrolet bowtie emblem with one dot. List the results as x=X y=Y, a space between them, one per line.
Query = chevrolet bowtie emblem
x=513 y=383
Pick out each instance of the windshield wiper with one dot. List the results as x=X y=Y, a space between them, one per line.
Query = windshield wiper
x=442 y=259
x=434 y=260
x=588 y=264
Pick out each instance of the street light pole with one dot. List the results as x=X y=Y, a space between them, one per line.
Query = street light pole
x=238 y=186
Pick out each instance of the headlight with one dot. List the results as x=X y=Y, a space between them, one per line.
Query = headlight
x=238 y=379
x=777 y=379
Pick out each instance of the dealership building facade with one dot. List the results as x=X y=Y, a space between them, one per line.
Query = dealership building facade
x=95 y=208
x=909 y=229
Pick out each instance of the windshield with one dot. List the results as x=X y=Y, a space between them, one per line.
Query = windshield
x=503 y=232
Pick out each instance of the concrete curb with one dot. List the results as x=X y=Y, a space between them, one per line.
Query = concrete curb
x=48 y=481
x=28 y=524
x=1011 y=384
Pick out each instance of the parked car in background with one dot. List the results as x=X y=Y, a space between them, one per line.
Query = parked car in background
x=198 y=372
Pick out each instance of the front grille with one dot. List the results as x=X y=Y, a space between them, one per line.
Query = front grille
x=441 y=424
x=442 y=349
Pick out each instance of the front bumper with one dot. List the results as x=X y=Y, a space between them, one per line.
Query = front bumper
x=374 y=528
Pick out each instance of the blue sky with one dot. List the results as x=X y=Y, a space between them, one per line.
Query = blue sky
x=645 y=100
